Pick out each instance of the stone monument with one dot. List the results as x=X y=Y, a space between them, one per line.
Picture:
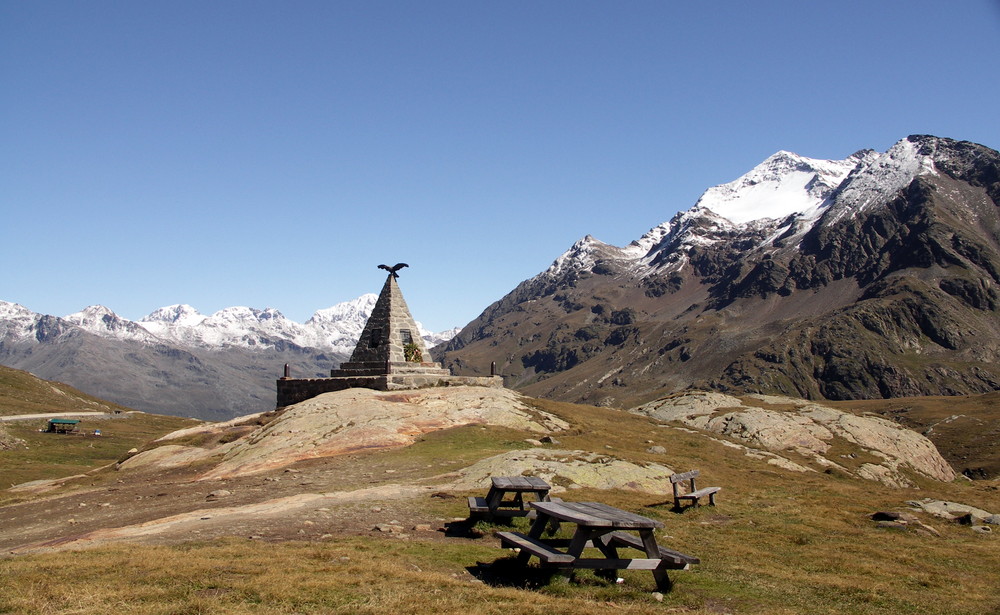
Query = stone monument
x=390 y=355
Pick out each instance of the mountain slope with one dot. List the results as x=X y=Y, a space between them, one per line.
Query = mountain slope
x=23 y=393
x=876 y=276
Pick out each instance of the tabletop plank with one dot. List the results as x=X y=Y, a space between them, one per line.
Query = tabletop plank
x=520 y=483
x=595 y=514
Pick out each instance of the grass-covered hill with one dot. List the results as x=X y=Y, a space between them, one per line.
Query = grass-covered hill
x=28 y=454
x=23 y=393
x=380 y=529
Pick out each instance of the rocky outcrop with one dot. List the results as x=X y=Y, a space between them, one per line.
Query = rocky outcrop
x=352 y=420
x=868 y=447
x=568 y=470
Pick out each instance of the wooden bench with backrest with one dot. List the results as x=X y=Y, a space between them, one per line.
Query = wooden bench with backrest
x=693 y=493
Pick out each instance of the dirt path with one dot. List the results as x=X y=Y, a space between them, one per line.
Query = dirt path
x=51 y=415
x=312 y=500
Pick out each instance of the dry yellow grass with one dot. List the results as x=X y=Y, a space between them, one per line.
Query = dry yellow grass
x=778 y=542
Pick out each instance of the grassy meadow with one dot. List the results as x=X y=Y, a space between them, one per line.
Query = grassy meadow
x=777 y=543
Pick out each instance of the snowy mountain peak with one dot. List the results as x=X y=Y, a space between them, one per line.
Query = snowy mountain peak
x=95 y=318
x=10 y=311
x=582 y=255
x=178 y=314
x=102 y=321
x=783 y=195
x=244 y=314
x=880 y=175
x=355 y=309
x=784 y=184
x=92 y=311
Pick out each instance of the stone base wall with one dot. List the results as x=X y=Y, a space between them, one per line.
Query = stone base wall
x=295 y=390
x=369 y=368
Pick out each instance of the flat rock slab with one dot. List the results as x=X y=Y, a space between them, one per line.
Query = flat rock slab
x=778 y=424
x=360 y=419
x=572 y=469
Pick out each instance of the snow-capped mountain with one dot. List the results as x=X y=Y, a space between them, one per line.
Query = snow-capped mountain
x=784 y=196
x=102 y=321
x=874 y=275
x=178 y=361
x=334 y=329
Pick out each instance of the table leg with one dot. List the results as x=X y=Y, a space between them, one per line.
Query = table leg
x=603 y=543
x=660 y=575
x=538 y=525
x=537 y=528
x=493 y=499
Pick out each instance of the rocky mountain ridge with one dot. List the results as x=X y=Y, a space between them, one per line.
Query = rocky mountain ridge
x=876 y=276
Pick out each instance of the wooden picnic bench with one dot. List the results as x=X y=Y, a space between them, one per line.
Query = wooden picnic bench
x=693 y=493
x=495 y=504
x=598 y=526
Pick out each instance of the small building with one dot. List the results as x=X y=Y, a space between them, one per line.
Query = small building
x=389 y=356
x=62 y=425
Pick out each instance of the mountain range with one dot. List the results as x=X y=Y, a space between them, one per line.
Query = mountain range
x=177 y=361
x=875 y=276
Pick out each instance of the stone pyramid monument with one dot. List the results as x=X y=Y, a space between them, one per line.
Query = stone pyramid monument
x=390 y=355
x=390 y=342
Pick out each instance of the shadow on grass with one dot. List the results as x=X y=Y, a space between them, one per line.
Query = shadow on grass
x=465 y=528
x=507 y=572
x=476 y=527
x=669 y=505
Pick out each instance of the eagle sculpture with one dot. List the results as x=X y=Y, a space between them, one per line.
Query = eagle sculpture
x=392 y=270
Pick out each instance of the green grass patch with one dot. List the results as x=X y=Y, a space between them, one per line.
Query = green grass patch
x=52 y=455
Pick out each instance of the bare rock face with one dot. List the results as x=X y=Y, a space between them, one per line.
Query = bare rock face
x=568 y=469
x=951 y=510
x=783 y=425
x=356 y=419
x=167 y=456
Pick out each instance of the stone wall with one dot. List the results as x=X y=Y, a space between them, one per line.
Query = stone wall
x=295 y=390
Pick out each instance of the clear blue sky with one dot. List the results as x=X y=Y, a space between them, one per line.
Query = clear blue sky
x=271 y=154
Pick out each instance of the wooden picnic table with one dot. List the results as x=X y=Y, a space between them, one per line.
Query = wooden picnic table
x=599 y=526
x=495 y=504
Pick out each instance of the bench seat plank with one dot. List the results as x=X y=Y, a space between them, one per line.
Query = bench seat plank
x=694 y=495
x=674 y=557
x=544 y=552
x=619 y=564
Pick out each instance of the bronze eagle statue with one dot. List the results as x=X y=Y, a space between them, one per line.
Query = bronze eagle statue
x=392 y=270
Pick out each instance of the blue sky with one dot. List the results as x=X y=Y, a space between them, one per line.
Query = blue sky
x=271 y=154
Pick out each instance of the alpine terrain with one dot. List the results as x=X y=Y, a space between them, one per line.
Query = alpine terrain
x=176 y=361
x=871 y=277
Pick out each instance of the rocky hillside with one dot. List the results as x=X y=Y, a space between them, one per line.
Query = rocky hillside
x=875 y=276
